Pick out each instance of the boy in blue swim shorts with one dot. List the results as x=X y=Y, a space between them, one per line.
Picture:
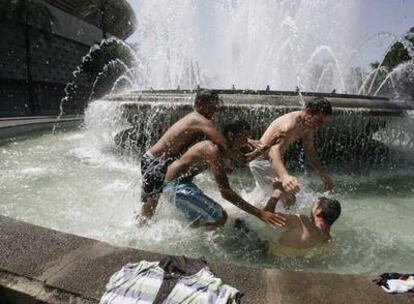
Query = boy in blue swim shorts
x=189 y=199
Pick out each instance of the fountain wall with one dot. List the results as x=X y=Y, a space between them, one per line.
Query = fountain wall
x=363 y=128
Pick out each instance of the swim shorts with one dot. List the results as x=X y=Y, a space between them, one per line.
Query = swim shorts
x=263 y=173
x=153 y=170
x=195 y=205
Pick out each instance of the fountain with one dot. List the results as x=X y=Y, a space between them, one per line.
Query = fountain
x=294 y=46
x=347 y=139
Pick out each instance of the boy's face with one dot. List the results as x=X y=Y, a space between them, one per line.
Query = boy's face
x=317 y=120
x=239 y=140
x=209 y=109
x=236 y=142
x=316 y=210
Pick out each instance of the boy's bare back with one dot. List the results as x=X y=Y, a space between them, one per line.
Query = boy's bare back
x=183 y=134
x=193 y=161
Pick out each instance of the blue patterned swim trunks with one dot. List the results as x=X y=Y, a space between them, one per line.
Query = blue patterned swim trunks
x=195 y=205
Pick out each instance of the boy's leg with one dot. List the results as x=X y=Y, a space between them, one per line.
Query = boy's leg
x=212 y=225
x=198 y=207
x=148 y=207
x=263 y=173
x=153 y=171
x=246 y=236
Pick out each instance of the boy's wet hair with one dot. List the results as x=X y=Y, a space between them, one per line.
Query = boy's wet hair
x=319 y=105
x=235 y=126
x=205 y=96
x=331 y=209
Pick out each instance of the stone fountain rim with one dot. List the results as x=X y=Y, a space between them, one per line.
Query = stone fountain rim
x=267 y=97
x=260 y=92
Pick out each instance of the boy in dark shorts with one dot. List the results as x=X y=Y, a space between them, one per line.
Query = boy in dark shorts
x=173 y=143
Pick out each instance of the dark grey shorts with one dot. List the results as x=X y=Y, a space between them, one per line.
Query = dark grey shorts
x=153 y=170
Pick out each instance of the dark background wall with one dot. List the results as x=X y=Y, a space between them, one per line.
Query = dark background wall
x=53 y=60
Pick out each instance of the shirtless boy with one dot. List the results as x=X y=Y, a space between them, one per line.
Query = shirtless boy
x=304 y=232
x=198 y=207
x=174 y=142
x=282 y=132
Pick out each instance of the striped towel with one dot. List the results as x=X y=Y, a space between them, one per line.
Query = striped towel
x=138 y=283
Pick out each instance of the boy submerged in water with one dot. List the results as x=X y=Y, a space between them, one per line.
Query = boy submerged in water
x=301 y=232
x=304 y=232
x=189 y=199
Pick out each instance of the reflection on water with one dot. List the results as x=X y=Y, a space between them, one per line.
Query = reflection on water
x=75 y=186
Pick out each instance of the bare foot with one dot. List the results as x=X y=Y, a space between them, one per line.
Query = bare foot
x=140 y=220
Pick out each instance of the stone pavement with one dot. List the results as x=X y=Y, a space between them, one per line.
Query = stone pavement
x=39 y=265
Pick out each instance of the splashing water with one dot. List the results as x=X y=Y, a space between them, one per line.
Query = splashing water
x=248 y=44
x=78 y=185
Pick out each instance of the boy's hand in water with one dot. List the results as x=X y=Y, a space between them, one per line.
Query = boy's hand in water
x=326 y=179
x=272 y=219
x=290 y=184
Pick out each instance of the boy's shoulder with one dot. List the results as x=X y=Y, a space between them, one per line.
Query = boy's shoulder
x=196 y=117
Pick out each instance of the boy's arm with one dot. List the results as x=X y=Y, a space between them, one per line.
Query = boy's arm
x=211 y=132
x=217 y=168
x=259 y=148
x=274 y=198
x=272 y=202
x=312 y=156
x=289 y=183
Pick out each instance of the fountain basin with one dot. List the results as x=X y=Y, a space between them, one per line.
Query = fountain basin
x=75 y=183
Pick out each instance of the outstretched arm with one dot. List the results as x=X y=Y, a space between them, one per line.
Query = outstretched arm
x=312 y=156
x=272 y=202
x=259 y=148
x=289 y=183
x=217 y=167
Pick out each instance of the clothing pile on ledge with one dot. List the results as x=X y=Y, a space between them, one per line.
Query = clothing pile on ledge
x=394 y=282
x=171 y=280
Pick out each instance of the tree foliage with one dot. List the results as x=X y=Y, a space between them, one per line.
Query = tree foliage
x=395 y=75
x=398 y=52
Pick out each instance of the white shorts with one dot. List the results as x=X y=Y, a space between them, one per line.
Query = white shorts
x=263 y=173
